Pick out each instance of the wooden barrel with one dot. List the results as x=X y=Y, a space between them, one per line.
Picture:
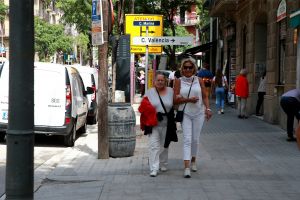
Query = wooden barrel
x=121 y=129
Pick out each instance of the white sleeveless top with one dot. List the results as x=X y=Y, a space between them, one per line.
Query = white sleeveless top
x=191 y=109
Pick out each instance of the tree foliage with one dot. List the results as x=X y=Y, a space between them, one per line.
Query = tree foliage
x=3 y=10
x=50 y=38
x=77 y=12
x=82 y=41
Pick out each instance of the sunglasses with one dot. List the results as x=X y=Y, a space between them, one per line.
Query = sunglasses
x=190 y=67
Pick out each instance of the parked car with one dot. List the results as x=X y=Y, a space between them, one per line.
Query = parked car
x=60 y=101
x=90 y=79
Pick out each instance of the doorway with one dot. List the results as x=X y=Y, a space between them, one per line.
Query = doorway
x=260 y=60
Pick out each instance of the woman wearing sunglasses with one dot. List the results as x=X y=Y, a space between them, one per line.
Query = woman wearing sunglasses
x=190 y=94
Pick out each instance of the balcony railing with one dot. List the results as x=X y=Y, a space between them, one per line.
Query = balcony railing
x=190 y=19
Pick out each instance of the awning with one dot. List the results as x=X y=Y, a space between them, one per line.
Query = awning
x=197 y=49
x=295 y=19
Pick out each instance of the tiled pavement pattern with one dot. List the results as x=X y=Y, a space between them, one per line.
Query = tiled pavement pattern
x=240 y=159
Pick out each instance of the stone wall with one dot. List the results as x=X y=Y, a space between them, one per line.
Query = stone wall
x=262 y=14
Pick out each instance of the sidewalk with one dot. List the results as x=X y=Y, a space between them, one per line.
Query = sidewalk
x=240 y=159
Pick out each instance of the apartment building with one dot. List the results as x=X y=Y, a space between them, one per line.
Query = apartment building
x=261 y=35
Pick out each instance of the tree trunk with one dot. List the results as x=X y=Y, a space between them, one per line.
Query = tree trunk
x=132 y=7
x=103 y=145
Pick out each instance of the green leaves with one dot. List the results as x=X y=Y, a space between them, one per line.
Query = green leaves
x=50 y=38
x=77 y=12
x=3 y=11
x=82 y=41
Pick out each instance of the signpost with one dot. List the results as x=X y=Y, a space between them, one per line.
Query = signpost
x=97 y=23
x=136 y=25
x=162 y=40
x=146 y=37
x=143 y=25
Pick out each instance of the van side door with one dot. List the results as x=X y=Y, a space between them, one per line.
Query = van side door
x=81 y=105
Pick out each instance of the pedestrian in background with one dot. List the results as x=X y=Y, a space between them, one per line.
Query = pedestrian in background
x=242 y=93
x=161 y=98
x=206 y=76
x=189 y=92
x=220 y=84
x=171 y=79
x=261 y=91
x=141 y=79
x=290 y=103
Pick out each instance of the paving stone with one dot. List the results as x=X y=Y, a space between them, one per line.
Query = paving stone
x=238 y=160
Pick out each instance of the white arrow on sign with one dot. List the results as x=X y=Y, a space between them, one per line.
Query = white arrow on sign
x=162 y=40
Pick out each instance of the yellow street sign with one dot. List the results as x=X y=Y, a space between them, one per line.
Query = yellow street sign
x=136 y=24
x=150 y=78
x=142 y=49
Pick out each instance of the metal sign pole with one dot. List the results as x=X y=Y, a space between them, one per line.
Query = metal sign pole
x=132 y=79
x=146 y=67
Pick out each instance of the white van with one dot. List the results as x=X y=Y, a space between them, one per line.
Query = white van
x=90 y=79
x=60 y=102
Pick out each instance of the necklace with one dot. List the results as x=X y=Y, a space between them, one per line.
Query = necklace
x=187 y=79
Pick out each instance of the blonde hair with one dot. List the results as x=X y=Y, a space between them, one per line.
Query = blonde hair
x=190 y=60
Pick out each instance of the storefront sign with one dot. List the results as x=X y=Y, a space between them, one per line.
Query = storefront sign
x=281 y=11
x=295 y=19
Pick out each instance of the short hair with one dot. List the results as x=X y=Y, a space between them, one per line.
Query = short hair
x=244 y=72
x=159 y=73
x=190 y=60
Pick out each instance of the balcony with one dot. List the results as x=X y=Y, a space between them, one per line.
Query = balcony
x=190 y=19
x=219 y=8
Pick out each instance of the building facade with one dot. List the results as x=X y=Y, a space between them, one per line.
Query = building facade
x=260 y=35
x=47 y=12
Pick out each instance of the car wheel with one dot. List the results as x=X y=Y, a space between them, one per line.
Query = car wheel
x=69 y=140
x=2 y=137
x=94 y=120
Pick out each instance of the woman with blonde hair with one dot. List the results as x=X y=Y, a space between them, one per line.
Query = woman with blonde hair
x=189 y=93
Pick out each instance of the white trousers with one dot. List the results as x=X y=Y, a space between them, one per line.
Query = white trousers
x=241 y=106
x=158 y=155
x=191 y=127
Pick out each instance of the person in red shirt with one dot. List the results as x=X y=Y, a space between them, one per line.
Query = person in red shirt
x=242 y=93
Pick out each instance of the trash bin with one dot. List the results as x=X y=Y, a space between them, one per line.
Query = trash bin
x=121 y=130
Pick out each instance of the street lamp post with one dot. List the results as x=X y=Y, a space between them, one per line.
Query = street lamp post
x=20 y=134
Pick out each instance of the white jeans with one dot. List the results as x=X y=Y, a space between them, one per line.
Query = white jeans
x=191 y=127
x=158 y=155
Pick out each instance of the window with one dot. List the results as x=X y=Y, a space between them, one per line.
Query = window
x=282 y=47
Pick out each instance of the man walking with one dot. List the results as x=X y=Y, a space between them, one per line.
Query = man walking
x=206 y=76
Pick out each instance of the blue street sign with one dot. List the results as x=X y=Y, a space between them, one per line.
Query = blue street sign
x=96 y=17
x=146 y=23
x=94 y=8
